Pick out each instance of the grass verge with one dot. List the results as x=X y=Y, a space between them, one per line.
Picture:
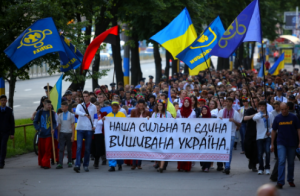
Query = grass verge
x=20 y=146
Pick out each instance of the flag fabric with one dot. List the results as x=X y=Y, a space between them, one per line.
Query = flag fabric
x=178 y=35
x=72 y=58
x=93 y=47
x=245 y=28
x=169 y=94
x=170 y=106
x=2 y=86
x=37 y=40
x=199 y=51
x=278 y=65
x=55 y=94
x=201 y=67
x=126 y=70
x=261 y=71
x=106 y=109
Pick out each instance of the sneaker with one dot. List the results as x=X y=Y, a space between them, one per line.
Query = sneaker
x=111 y=169
x=77 y=169
x=86 y=169
x=70 y=164
x=59 y=166
x=292 y=184
x=260 y=172
x=279 y=186
x=1 y=166
x=267 y=172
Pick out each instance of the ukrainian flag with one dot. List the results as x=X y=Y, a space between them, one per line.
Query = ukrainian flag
x=201 y=67
x=55 y=94
x=126 y=70
x=178 y=35
x=170 y=106
x=278 y=65
x=2 y=86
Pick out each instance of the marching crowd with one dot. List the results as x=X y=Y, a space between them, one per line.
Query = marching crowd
x=265 y=118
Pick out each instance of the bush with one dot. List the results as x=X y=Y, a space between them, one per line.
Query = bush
x=20 y=146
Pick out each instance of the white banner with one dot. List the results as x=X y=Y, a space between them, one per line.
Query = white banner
x=168 y=139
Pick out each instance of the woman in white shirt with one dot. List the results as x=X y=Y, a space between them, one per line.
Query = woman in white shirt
x=160 y=112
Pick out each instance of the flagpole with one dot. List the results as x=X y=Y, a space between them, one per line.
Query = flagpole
x=51 y=126
x=263 y=64
x=99 y=86
x=244 y=75
x=211 y=78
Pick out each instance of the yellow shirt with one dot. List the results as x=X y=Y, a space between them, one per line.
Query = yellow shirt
x=119 y=114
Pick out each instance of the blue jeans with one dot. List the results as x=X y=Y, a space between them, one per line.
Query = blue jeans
x=227 y=164
x=285 y=153
x=242 y=133
x=263 y=145
x=87 y=135
x=113 y=163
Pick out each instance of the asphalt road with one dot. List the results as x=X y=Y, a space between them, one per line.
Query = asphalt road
x=28 y=92
x=23 y=176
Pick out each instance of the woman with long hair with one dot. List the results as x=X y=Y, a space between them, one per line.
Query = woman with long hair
x=213 y=107
x=205 y=113
x=186 y=111
x=195 y=107
x=160 y=112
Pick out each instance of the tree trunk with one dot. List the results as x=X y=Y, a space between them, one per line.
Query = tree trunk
x=240 y=56
x=223 y=63
x=101 y=25
x=116 y=53
x=158 y=65
x=12 y=85
x=136 y=73
x=167 y=68
x=74 y=85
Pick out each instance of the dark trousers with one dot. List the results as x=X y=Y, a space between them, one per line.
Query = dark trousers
x=205 y=165
x=3 y=147
x=65 y=138
x=263 y=146
x=99 y=149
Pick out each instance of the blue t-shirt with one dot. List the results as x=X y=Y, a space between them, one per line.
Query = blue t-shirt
x=287 y=126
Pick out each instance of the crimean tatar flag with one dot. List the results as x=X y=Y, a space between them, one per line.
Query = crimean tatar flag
x=55 y=94
x=245 y=28
x=178 y=35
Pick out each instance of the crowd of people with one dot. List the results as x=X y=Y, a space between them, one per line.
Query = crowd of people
x=265 y=117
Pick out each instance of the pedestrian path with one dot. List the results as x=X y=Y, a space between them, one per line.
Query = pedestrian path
x=22 y=176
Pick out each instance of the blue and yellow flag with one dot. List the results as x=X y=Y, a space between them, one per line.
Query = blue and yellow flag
x=246 y=27
x=72 y=58
x=2 y=86
x=37 y=40
x=126 y=70
x=55 y=94
x=178 y=35
x=278 y=65
x=199 y=51
x=203 y=66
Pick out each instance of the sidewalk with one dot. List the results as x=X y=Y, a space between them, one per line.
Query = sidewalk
x=22 y=176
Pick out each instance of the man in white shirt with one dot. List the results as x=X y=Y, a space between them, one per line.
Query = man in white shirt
x=235 y=118
x=66 y=121
x=85 y=129
x=183 y=94
x=264 y=122
x=279 y=96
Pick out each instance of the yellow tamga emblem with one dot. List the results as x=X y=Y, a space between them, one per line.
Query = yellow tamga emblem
x=34 y=38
